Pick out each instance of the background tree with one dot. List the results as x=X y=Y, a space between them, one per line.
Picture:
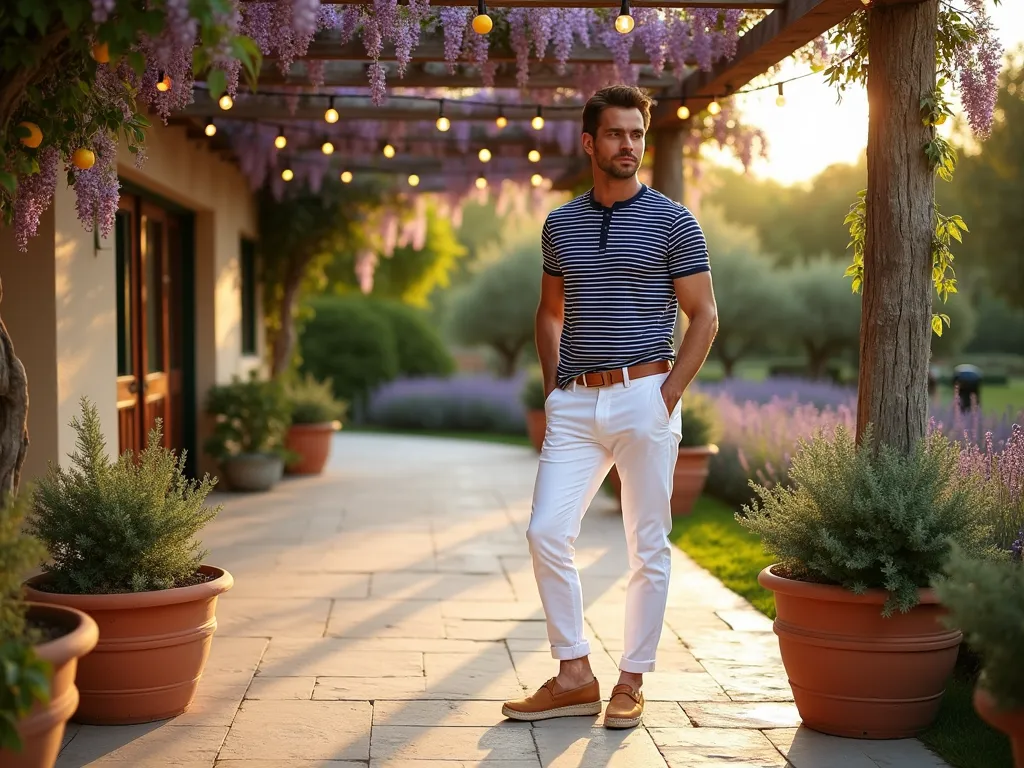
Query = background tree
x=497 y=308
x=746 y=288
x=819 y=312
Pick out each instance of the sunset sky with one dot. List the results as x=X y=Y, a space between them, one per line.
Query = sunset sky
x=812 y=131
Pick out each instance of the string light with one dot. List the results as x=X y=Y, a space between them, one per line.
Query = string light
x=536 y=180
x=624 y=22
x=443 y=123
x=501 y=120
x=714 y=107
x=389 y=151
x=683 y=112
x=327 y=148
x=210 y=128
x=331 y=115
x=534 y=156
x=346 y=177
x=780 y=100
x=163 y=81
x=484 y=155
x=226 y=102
x=281 y=141
x=481 y=182
x=538 y=120
x=287 y=174
x=482 y=23
x=414 y=180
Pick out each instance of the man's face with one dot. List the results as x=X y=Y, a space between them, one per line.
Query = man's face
x=618 y=148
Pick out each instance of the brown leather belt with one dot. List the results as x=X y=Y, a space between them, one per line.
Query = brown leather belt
x=614 y=376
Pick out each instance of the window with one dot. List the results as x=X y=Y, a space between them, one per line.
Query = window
x=248 y=297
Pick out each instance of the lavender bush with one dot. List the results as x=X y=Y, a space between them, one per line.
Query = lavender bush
x=459 y=403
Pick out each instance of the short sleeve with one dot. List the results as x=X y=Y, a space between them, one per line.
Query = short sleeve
x=547 y=248
x=687 y=247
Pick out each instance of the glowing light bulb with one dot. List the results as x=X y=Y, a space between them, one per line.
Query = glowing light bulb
x=624 y=24
x=327 y=148
x=780 y=100
x=414 y=180
x=484 y=155
x=346 y=177
x=537 y=123
x=481 y=182
x=534 y=156
x=536 y=179
x=443 y=123
x=714 y=107
x=683 y=112
x=210 y=128
x=501 y=122
x=389 y=151
x=331 y=115
x=287 y=174
x=226 y=102
x=482 y=24
x=281 y=141
x=163 y=82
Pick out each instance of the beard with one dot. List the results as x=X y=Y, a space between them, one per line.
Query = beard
x=609 y=166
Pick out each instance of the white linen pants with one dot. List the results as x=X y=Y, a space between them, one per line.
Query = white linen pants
x=589 y=429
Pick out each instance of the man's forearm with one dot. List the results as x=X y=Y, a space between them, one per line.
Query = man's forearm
x=548 y=335
x=693 y=351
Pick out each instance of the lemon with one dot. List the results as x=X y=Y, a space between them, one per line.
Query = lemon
x=35 y=137
x=83 y=158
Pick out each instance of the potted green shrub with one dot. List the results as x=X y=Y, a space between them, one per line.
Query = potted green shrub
x=985 y=599
x=701 y=430
x=252 y=418
x=39 y=649
x=315 y=416
x=859 y=534
x=532 y=397
x=122 y=543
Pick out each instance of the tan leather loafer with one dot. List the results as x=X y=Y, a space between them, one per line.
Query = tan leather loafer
x=551 y=701
x=626 y=708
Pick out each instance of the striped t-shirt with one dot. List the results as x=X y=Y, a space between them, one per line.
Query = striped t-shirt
x=618 y=265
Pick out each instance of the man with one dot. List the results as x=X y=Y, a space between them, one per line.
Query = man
x=618 y=263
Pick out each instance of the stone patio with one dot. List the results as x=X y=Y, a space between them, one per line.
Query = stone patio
x=383 y=611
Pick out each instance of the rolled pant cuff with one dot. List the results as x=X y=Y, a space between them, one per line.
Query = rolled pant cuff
x=636 y=667
x=568 y=653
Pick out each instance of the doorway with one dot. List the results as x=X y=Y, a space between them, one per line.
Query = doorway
x=155 y=324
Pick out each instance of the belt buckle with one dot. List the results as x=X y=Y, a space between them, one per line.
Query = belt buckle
x=604 y=376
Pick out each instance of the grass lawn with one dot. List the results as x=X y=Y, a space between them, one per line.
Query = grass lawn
x=480 y=437
x=713 y=538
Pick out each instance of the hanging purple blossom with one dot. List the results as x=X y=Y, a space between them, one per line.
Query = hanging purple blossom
x=542 y=23
x=520 y=41
x=978 y=64
x=97 y=189
x=653 y=34
x=679 y=44
x=348 y=23
x=701 y=44
x=366 y=265
x=373 y=37
x=731 y=33
x=620 y=46
x=35 y=192
x=454 y=20
x=315 y=72
x=101 y=10
x=257 y=23
x=378 y=85
x=406 y=37
x=328 y=17
x=304 y=16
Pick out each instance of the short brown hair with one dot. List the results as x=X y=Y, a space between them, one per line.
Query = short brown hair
x=624 y=96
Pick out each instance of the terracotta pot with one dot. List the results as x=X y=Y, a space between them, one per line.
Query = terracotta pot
x=855 y=673
x=688 y=479
x=1010 y=722
x=152 y=650
x=313 y=444
x=42 y=729
x=253 y=471
x=536 y=426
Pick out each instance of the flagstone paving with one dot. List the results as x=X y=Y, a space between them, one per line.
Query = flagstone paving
x=382 y=611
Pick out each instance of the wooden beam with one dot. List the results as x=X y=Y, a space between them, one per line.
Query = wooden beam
x=726 y=4
x=771 y=40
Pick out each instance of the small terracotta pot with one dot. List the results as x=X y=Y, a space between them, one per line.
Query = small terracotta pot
x=1010 y=722
x=855 y=673
x=536 y=426
x=313 y=444
x=42 y=729
x=688 y=479
x=152 y=650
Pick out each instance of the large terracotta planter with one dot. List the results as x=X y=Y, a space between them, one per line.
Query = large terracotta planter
x=688 y=479
x=152 y=650
x=312 y=442
x=42 y=729
x=536 y=426
x=1010 y=722
x=854 y=672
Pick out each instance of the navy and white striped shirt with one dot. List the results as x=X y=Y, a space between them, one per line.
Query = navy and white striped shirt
x=618 y=265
